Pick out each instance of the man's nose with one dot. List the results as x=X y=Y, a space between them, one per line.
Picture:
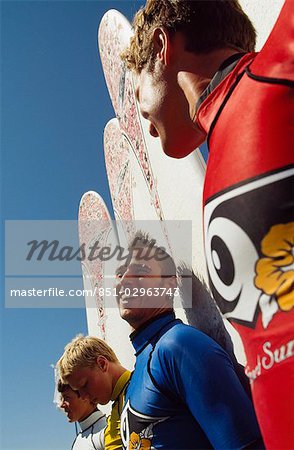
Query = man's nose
x=153 y=131
x=63 y=404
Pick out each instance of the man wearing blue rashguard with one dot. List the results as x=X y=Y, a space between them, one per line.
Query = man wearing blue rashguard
x=184 y=392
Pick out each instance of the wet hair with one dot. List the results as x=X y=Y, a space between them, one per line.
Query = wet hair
x=143 y=240
x=81 y=352
x=207 y=25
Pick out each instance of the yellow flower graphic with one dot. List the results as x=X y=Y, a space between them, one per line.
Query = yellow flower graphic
x=275 y=272
x=139 y=443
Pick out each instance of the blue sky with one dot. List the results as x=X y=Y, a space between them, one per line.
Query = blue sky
x=54 y=106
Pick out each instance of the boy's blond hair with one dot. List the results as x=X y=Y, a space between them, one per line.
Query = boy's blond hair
x=81 y=352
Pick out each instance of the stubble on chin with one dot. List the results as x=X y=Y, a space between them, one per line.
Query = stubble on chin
x=131 y=317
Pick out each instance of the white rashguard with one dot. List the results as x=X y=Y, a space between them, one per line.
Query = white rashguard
x=91 y=436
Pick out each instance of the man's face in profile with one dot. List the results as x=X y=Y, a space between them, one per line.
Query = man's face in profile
x=142 y=290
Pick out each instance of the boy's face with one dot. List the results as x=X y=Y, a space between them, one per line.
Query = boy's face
x=93 y=384
x=76 y=408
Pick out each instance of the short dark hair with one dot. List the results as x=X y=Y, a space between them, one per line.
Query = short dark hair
x=143 y=240
x=63 y=387
x=206 y=24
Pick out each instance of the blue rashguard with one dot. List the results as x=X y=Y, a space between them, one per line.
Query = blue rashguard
x=184 y=392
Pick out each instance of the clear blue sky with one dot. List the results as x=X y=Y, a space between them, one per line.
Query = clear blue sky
x=54 y=107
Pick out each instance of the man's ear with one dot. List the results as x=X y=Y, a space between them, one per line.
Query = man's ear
x=162 y=44
x=102 y=363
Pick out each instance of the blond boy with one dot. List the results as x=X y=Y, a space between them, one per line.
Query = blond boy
x=91 y=367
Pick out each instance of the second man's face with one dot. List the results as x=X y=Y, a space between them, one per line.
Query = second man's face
x=141 y=290
x=75 y=407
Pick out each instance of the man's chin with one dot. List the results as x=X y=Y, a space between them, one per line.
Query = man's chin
x=125 y=312
x=130 y=315
x=177 y=151
x=180 y=148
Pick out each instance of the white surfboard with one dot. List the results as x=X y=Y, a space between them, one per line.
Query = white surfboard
x=145 y=187
x=151 y=197
x=151 y=169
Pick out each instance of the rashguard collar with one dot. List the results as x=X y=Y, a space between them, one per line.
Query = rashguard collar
x=212 y=104
x=148 y=330
x=225 y=68
x=91 y=419
x=120 y=384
